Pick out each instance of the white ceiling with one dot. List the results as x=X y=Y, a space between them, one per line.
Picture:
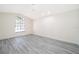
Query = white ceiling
x=35 y=11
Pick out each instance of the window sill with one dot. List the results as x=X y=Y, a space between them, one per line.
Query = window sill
x=19 y=31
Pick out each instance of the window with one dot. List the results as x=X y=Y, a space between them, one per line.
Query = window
x=19 y=24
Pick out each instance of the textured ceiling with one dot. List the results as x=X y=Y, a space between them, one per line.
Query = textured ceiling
x=35 y=11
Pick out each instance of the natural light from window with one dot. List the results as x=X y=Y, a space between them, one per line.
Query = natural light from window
x=19 y=24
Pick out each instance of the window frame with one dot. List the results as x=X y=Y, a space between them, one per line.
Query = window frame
x=19 y=26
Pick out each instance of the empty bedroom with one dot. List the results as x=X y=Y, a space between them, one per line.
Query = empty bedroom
x=39 y=28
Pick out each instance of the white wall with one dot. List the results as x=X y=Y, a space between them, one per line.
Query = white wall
x=63 y=26
x=7 y=25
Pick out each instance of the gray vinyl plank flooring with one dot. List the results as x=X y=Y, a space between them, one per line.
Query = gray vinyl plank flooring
x=34 y=44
